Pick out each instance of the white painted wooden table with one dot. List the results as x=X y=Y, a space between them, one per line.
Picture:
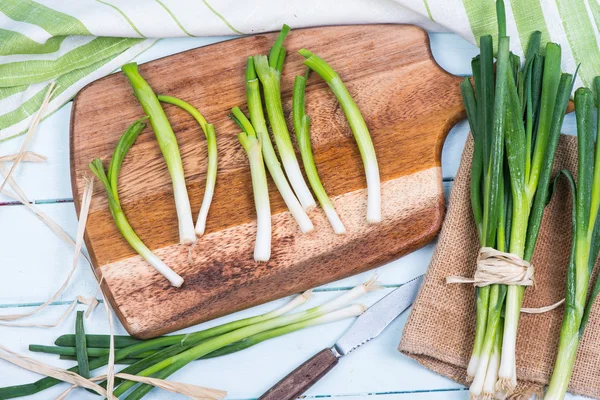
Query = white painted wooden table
x=34 y=262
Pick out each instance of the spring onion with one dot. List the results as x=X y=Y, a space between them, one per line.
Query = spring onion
x=125 y=361
x=81 y=347
x=359 y=129
x=257 y=118
x=515 y=127
x=260 y=188
x=92 y=352
x=268 y=71
x=114 y=204
x=169 y=148
x=585 y=245
x=211 y=171
x=530 y=193
x=101 y=341
x=302 y=128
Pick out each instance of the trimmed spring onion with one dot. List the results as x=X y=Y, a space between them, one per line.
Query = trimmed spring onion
x=169 y=148
x=302 y=128
x=515 y=127
x=211 y=171
x=92 y=352
x=359 y=129
x=255 y=110
x=114 y=204
x=268 y=71
x=250 y=143
x=585 y=245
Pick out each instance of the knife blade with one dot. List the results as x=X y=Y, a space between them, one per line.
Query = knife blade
x=366 y=327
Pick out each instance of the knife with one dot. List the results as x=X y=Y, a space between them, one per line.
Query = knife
x=366 y=327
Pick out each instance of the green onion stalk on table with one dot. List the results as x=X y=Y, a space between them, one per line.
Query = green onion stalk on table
x=515 y=115
x=162 y=356
x=585 y=244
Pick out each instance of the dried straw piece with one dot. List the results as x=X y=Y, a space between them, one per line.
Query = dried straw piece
x=191 y=391
x=49 y=370
x=498 y=267
x=540 y=310
x=29 y=134
x=66 y=393
x=28 y=156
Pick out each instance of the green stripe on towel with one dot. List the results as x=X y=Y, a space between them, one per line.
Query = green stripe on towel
x=580 y=33
x=54 y=22
x=33 y=71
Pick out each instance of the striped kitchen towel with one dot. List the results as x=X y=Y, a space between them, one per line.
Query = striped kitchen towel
x=74 y=42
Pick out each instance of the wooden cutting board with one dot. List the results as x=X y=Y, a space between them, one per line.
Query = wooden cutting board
x=409 y=104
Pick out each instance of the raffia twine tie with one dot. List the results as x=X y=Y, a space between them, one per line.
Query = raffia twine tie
x=498 y=267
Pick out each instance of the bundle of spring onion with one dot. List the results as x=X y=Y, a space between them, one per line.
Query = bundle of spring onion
x=164 y=355
x=111 y=184
x=515 y=116
x=585 y=244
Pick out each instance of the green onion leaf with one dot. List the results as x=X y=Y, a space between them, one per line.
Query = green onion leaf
x=81 y=347
x=125 y=142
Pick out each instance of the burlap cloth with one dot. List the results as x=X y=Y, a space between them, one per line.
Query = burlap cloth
x=440 y=330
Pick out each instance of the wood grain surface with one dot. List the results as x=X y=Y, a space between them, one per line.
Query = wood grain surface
x=409 y=104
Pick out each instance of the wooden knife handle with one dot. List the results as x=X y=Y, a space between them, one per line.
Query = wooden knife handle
x=303 y=377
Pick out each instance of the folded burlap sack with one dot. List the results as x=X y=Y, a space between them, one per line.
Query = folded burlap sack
x=440 y=330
